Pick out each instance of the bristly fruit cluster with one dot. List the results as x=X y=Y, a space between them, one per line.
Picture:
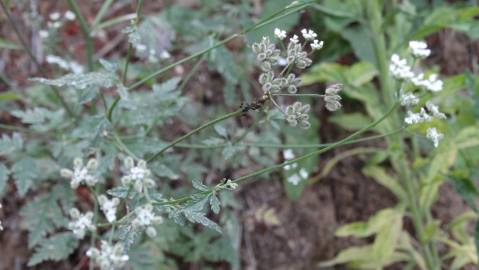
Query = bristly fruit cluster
x=273 y=81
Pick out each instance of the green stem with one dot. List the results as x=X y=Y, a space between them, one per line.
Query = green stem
x=300 y=95
x=139 y=7
x=396 y=143
x=243 y=179
x=101 y=13
x=196 y=130
x=274 y=17
x=86 y=32
x=25 y=47
x=314 y=153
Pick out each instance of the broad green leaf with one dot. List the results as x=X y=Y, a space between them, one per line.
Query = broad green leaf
x=383 y=178
x=354 y=256
x=55 y=248
x=372 y=226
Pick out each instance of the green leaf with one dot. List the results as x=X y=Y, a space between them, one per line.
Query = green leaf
x=10 y=144
x=199 y=217
x=199 y=186
x=25 y=172
x=9 y=96
x=351 y=121
x=221 y=130
x=3 y=177
x=120 y=191
x=215 y=204
x=82 y=81
x=167 y=86
x=7 y=44
x=383 y=178
x=55 y=248
x=43 y=214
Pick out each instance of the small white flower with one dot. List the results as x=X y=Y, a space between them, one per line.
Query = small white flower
x=138 y=175
x=279 y=34
x=433 y=84
x=70 y=16
x=140 y=47
x=165 y=55
x=434 y=136
x=109 y=207
x=308 y=34
x=290 y=166
x=304 y=174
x=409 y=99
x=288 y=154
x=43 y=34
x=81 y=174
x=109 y=256
x=419 y=49
x=145 y=217
x=54 y=16
x=416 y=118
x=434 y=110
x=399 y=68
x=317 y=45
x=231 y=185
x=294 y=39
x=80 y=223
x=294 y=179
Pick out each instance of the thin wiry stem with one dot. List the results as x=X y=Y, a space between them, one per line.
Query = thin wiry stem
x=25 y=47
x=196 y=130
x=86 y=33
x=274 y=17
x=139 y=7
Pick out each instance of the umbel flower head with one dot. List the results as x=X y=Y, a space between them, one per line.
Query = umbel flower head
x=298 y=114
x=81 y=174
x=146 y=218
x=137 y=175
x=81 y=223
x=331 y=97
x=400 y=69
x=108 y=207
x=109 y=256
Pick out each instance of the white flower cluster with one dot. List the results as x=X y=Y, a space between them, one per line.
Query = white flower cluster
x=81 y=223
x=56 y=21
x=138 y=175
x=81 y=174
x=400 y=69
x=64 y=64
x=108 y=207
x=419 y=49
x=146 y=218
x=295 y=178
x=109 y=256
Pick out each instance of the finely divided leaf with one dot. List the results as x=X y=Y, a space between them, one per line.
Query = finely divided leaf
x=56 y=248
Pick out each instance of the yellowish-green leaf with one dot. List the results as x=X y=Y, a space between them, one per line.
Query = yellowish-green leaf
x=383 y=178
